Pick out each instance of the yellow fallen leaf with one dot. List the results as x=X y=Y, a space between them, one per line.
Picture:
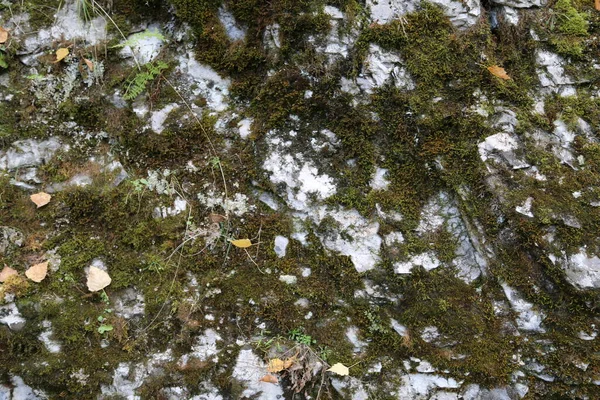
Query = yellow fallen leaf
x=89 y=64
x=498 y=72
x=6 y=272
x=270 y=379
x=40 y=199
x=276 y=365
x=339 y=369
x=97 y=279
x=61 y=53
x=242 y=243
x=37 y=272
x=3 y=35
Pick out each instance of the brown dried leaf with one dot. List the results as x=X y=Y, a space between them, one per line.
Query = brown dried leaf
x=61 y=53
x=498 y=72
x=270 y=379
x=89 y=64
x=40 y=199
x=288 y=362
x=37 y=272
x=6 y=272
x=217 y=218
x=242 y=243
x=3 y=35
x=97 y=279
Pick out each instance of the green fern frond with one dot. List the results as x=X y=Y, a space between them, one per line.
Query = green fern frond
x=137 y=84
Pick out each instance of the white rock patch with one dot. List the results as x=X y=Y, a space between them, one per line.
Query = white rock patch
x=525 y=208
x=248 y=370
x=10 y=316
x=581 y=269
x=528 y=318
x=158 y=118
x=301 y=178
x=208 y=83
x=128 y=377
x=244 y=127
x=281 y=243
x=232 y=28
x=179 y=206
x=45 y=337
x=425 y=260
x=144 y=46
x=384 y=11
x=552 y=73
x=379 y=181
x=380 y=67
x=29 y=153
x=415 y=386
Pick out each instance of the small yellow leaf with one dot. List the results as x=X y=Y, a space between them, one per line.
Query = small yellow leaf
x=3 y=35
x=40 y=199
x=276 y=365
x=242 y=243
x=37 y=272
x=6 y=272
x=270 y=379
x=339 y=369
x=61 y=53
x=89 y=64
x=97 y=279
x=498 y=72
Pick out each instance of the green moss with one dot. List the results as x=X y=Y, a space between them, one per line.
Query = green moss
x=569 y=29
x=571 y=21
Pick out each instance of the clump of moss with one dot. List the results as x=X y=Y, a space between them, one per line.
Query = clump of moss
x=571 y=29
x=16 y=285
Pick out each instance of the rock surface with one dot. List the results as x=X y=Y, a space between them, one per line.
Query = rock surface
x=272 y=188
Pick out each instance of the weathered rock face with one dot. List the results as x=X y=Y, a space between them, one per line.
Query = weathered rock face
x=407 y=188
x=521 y=3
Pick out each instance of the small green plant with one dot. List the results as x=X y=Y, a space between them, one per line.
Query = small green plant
x=264 y=343
x=3 y=62
x=86 y=9
x=154 y=264
x=139 y=184
x=324 y=353
x=136 y=85
x=102 y=318
x=298 y=336
x=375 y=324
x=215 y=162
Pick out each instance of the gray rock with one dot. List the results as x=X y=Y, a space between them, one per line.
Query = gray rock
x=21 y=391
x=9 y=239
x=583 y=270
x=129 y=304
x=28 y=153
x=11 y=317
x=521 y=3
x=463 y=14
